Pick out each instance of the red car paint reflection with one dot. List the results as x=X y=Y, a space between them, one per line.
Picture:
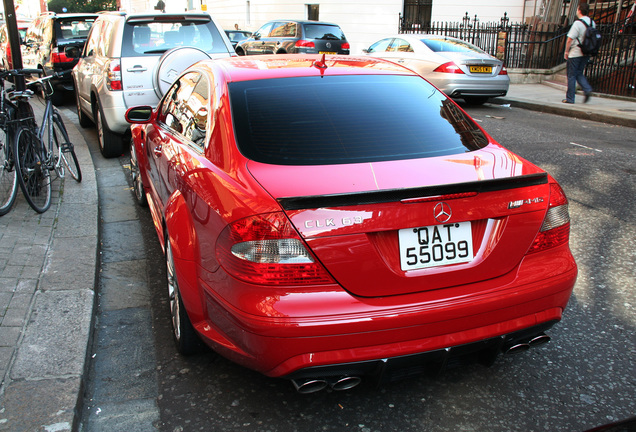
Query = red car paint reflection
x=286 y=196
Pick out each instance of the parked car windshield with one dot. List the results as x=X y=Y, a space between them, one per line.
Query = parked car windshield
x=73 y=28
x=348 y=119
x=322 y=31
x=450 y=45
x=158 y=37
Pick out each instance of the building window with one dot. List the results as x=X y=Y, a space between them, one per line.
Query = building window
x=248 y=19
x=417 y=13
x=312 y=12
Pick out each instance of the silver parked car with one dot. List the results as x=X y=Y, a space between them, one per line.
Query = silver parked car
x=132 y=59
x=458 y=68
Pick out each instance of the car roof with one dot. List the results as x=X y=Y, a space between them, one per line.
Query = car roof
x=298 y=65
x=305 y=22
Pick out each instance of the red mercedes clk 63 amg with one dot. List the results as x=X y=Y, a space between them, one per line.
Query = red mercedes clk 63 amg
x=327 y=219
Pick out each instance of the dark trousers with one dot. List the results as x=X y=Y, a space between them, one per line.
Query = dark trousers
x=576 y=66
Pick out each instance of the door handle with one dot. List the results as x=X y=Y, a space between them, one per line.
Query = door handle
x=137 y=69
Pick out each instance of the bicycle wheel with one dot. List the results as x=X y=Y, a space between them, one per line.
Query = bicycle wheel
x=33 y=174
x=60 y=137
x=8 y=178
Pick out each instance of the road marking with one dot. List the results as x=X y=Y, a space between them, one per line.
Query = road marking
x=586 y=147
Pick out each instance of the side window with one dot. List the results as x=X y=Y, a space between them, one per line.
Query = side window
x=94 y=37
x=173 y=113
x=196 y=112
x=380 y=46
x=283 y=29
x=400 y=45
x=264 y=31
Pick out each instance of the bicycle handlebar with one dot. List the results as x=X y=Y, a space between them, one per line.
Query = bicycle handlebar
x=47 y=78
x=19 y=72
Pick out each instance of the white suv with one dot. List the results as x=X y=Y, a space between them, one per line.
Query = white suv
x=131 y=59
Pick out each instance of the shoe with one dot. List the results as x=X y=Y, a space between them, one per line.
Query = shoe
x=587 y=97
x=567 y=101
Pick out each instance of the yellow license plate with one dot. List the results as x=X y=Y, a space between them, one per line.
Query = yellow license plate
x=326 y=52
x=481 y=69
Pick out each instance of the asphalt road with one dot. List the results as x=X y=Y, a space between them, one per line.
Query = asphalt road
x=584 y=377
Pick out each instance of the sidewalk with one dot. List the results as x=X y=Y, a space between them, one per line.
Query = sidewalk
x=47 y=280
x=48 y=271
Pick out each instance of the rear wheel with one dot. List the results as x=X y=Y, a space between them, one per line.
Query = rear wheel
x=81 y=117
x=138 y=185
x=183 y=332
x=8 y=178
x=60 y=137
x=110 y=144
x=33 y=174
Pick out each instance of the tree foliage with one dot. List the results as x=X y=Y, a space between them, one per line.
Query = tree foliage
x=82 y=6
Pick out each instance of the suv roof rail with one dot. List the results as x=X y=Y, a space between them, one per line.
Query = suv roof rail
x=120 y=13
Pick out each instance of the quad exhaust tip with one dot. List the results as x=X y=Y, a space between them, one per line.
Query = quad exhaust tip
x=313 y=385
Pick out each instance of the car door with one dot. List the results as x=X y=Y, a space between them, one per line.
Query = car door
x=282 y=36
x=254 y=45
x=165 y=141
x=84 y=72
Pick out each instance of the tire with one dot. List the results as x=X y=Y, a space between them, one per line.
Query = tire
x=137 y=182
x=476 y=100
x=110 y=144
x=34 y=177
x=61 y=139
x=8 y=177
x=184 y=335
x=81 y=117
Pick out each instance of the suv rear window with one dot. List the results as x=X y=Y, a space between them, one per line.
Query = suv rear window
x=68 y=29
x=348 y=119
x=321 y=31
x=157 y=37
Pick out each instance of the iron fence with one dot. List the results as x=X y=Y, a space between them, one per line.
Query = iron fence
x=541 y=46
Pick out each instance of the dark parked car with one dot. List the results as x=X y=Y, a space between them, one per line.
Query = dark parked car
x=46 y=40
x=377 y=230
x=295 y=37
x=236 y=36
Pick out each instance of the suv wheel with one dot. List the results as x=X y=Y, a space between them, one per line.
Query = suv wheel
x=83 y=120
x=110 y=144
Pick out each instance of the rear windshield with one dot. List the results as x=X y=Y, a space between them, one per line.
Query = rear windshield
x=147 y=38
x=73 y=28
x=324 y=32
x=348 y=119
x=450 y=45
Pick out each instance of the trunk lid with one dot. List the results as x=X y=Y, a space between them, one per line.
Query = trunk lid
x=488 y=204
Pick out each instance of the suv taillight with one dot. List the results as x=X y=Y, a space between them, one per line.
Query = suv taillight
x=113 y=75
x=60 y=57
x=555 y=229
x=305 y=44
x=266 y=250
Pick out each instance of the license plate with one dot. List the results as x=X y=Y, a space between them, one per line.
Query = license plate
x=480 y=69
x=326 y=52
x=435 y=245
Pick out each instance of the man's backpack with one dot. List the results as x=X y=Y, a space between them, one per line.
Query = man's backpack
x=592 y=41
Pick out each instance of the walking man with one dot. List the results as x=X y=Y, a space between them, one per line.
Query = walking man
x=575 y=57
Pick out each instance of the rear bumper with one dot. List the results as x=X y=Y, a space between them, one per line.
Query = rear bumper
x=363 y=333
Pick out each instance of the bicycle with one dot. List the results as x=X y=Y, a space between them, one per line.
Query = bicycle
x=42 y=151
x=14 y=109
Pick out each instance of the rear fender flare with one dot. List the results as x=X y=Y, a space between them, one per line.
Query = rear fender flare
x=185 y=246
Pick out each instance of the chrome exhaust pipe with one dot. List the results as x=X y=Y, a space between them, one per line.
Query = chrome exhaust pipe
x=345 y=383
x=539 y=340
x=517 y=348
x=310 y=385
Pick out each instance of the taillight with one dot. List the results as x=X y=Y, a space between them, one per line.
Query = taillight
x=305 y=44
x=345 y=46
x=449 y=67
x=60 y=57
x=555 y=229
x=503 y=71
x=265 y=249
x=113 y=76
